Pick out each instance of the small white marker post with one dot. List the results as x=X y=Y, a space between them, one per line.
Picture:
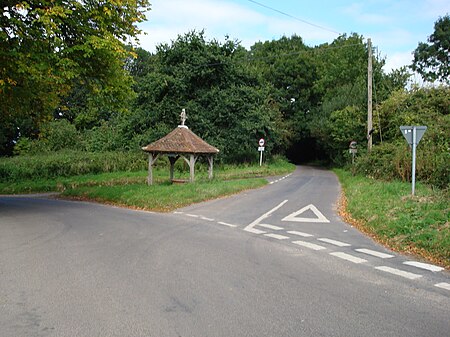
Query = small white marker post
x=261 y=150
x=413 y=135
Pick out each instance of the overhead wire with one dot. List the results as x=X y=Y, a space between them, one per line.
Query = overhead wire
x=293 y=17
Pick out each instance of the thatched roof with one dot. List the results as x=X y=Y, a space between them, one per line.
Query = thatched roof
x=181 y=140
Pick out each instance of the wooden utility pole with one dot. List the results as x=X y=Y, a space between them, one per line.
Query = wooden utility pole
x=369 y=97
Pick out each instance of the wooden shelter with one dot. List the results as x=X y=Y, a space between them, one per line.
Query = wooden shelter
x=181 y=142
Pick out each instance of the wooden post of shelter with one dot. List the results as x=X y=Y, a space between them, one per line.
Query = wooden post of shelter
x=151 y=161
x=210 y=166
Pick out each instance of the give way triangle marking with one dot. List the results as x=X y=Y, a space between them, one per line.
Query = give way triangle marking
x=294 y=216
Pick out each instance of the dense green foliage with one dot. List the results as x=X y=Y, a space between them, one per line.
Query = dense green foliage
x=66 y=164
x=226 y=103
x=59 y=56
x=432 y=60
x=391 y=159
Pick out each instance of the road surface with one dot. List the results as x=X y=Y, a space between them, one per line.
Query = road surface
x=276 y=261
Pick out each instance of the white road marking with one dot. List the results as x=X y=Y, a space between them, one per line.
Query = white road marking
x=280 y=179
x=443 y=285
x=399 y=272
x=348 y=257
x=374 y=253
x=250 y=228
x=277 y=236
x=319 y=216
x=421 y=265
x=334 y=242
x=275 y=228
x=254 y=230
x=306 y=235
x=207 y=219
x=176 y=212
x=226 y=224
x=308 y=245
x=192 y=215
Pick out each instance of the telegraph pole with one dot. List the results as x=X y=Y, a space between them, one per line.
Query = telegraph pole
x=369 y=97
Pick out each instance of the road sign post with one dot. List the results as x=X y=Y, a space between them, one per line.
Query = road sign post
x=352 y=149
x=261 y=150
x=413 y=135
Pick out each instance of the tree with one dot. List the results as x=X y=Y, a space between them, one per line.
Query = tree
x=288 y=65
x=226 y=101
x=49 y=47
x=432 y=60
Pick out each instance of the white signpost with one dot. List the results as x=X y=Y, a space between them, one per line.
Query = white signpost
x=261 y=150
x=413 y=135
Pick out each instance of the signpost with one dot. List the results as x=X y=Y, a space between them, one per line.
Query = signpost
x=413 y=135
x=261 y=150
x=352 y=149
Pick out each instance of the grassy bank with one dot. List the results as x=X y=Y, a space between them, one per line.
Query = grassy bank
x=163 y=197
x=387 y=211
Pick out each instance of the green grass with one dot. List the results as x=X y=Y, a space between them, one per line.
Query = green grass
x=130 y=188
x=163 y=197
x=61 y=184
x=388 y=212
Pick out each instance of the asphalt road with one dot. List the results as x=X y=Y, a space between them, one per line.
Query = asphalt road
x=276 y=261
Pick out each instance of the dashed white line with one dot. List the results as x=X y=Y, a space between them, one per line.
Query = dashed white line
x=430 y=267
x=334 y=242
x=308 y=245
x=207 y=219
x=443 y=285
x=280 y=179
x=192 y=215
x=399 y=272
x=176 y=212
x=348 y=257
x=374 y=253
x=276 y=228
x=305 y=235
x=277 y=236
x=226 y=224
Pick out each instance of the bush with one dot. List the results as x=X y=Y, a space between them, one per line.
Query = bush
x=390 y=161
x=68 y=163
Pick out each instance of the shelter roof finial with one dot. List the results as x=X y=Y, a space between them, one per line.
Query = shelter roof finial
x=183 y=116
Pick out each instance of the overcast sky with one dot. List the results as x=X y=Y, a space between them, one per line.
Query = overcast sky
x=395 y=26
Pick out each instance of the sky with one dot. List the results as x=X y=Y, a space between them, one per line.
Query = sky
x=394 y=26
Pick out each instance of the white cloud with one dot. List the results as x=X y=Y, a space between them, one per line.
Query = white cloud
x=398 y=60
x=358 y=13
x=435 y=8
x=170 y=18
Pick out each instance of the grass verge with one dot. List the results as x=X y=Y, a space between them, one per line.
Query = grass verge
x=129 y=188
x=386 y=211
x=163 y=197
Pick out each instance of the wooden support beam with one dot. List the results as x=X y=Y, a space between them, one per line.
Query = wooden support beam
x=151 y=161
x=210 y=167
x=192 y=160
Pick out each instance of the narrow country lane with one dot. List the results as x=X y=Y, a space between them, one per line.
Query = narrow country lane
x=277 y=261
